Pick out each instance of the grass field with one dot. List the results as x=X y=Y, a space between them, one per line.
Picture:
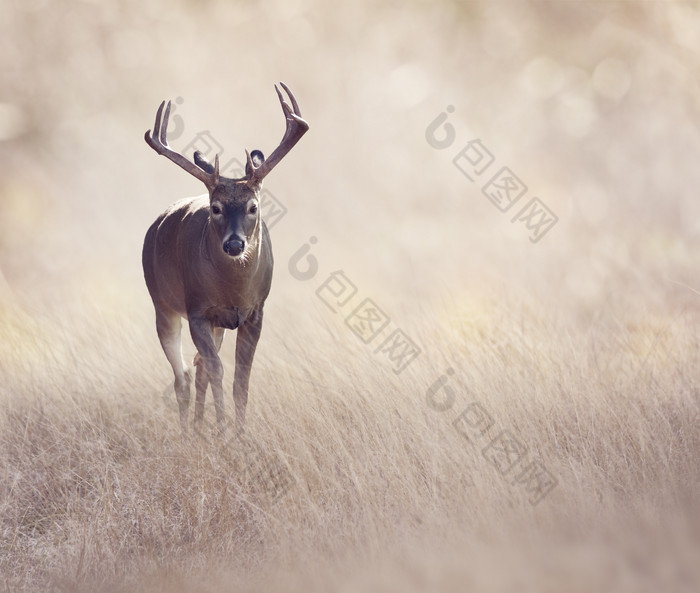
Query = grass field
x=348 y=473
x=546 y=435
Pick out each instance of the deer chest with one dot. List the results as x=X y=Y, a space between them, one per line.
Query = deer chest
x=227 y=317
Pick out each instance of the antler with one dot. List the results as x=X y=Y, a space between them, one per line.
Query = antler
x=296 y=128
x=157 y=141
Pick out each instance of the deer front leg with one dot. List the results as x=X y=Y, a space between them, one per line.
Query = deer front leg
x=246 y=342
x=202 y=378
x=202 y=332
x=169 y=326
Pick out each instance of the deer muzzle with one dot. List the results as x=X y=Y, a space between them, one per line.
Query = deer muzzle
x=234 y=247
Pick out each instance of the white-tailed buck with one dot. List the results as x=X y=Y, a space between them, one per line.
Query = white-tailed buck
x=209 y=259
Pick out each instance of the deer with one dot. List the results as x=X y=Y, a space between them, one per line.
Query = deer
x=208 y=259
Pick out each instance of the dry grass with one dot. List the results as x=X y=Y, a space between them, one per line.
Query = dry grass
x=584 y=347
x=100 y=491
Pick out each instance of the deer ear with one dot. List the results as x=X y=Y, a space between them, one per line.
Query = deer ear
x=203 y=163
x=256 y=159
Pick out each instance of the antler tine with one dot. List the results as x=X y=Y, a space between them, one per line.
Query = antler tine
x=164 y=127
x=292 y=97
x=158 y=142
x=296 y=128
x=156 y=125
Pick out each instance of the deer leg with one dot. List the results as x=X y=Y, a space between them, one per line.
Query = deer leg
x=202 y=332
x=201 y=382
x=169 y=326
x=246 y=342
x=202 y=378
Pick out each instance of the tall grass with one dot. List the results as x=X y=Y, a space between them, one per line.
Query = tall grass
x=580 y=352
x=347 y=475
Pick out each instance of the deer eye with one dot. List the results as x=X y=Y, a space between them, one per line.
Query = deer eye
x=253 y=209
x=215 y=210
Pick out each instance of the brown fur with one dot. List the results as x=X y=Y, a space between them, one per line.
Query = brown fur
x=192 y=270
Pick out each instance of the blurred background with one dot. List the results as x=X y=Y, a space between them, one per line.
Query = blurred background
x=593 y=106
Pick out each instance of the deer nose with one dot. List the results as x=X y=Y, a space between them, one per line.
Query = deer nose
x=234 y=246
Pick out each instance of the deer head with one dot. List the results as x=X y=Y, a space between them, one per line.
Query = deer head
x=234 y=204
